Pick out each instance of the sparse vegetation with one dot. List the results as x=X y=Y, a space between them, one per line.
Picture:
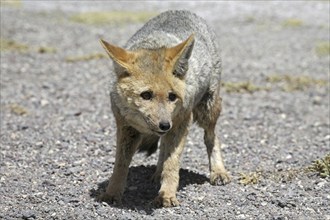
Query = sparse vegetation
x=18 y=109
x=12 y=45
x=291 y=83
x=45 y=49
x=292 y=22
x=93 y=56
x=284 y=175
x=321 y=166
x=323 y=48
x=241 y=87
x=114 y=17
x=250 y=19
x=249 y=178
x=287 y=83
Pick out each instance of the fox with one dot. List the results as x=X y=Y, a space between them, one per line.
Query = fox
x=167 y=77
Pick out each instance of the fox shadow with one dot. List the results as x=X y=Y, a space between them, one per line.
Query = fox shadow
x=141 y=191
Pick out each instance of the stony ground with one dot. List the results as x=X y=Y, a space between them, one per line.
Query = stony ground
x=58 y=132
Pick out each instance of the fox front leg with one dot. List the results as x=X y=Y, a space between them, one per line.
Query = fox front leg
x=127 y=141
x=172 y=145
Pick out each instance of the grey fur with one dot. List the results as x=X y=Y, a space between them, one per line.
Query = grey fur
x=171 y=28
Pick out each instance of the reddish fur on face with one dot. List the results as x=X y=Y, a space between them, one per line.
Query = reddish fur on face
x=149 y=71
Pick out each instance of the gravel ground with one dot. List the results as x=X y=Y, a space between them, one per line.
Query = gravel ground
x=58 y=132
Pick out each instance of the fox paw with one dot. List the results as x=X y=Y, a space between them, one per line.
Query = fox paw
x=110 y=198
x=166 y=201
x=219 y=178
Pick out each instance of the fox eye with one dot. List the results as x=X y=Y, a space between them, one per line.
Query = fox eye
x=172 y=97
x=147 y=95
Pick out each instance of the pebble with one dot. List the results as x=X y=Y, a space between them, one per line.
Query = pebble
x=44 y=102
x=326 y=138
x=264 y=203
x=39 y=144
x=29 y=214
x=317 y=100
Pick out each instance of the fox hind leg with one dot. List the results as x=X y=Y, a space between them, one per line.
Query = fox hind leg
x=206 y=114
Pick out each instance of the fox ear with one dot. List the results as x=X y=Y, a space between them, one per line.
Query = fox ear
x=179 y=55
x=118 y=54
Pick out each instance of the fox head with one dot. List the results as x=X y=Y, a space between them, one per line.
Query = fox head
x=150 y=84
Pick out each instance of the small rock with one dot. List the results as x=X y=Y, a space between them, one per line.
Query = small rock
x=223 y=146
x=241 y=216
x=48 y=183
x=13 y=136
x=77 y=113
x=326 y=138
x=281 y=204
x=251 y=197
x=30 y=214
x=317 y=100
x=320 y=184
x=264 y=203
x=200 y=198
x=263 y=141
x=44 y=102
x=283 y=116
x=24 y=127
x=289 y=156
x=39 y=144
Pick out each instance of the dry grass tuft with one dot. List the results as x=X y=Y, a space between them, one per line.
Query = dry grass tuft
x=93 y=56
x=292 y=83
x=249 y=178
x=292 y=22
x=241 y=87
x=321 y=166
x=113 y=17
x=12 y=45
x=322 y=48
x=18 y=109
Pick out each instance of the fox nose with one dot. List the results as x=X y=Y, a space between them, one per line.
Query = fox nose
x=164 y=126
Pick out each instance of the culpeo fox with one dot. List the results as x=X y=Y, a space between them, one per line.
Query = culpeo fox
x=167 y=77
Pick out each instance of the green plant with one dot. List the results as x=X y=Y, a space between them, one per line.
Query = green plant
x=321 y=166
